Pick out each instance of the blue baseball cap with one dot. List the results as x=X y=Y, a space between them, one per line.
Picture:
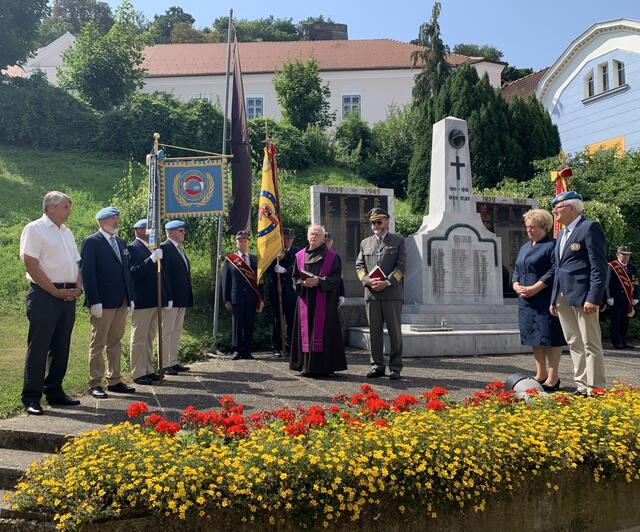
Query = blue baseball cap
x=563 y=196
x=140 y=224
x=107 y=212
x=174 y=224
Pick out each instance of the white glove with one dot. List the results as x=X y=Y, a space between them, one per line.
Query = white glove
x=634 y=301
x=610 y=302
x=96 y=310
x=156 y=254
x=279 y=269
x=132 y=306
x=341 y=301
x=170 y=304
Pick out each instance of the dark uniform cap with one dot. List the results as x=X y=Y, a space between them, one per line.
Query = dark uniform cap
x=624 y=250
x=288 y=233
x=243 y=234
x=377 y=214
x=563 y=196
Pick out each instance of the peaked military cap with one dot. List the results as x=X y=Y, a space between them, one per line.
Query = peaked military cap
x=107 y=212
x=563 y=196
x=174 y=224
x=377 y=214
x=140 y=224
x=243 y=234
x=288 y=233
x=624 y=250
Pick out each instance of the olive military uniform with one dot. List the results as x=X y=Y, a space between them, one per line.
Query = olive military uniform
x=384 y=306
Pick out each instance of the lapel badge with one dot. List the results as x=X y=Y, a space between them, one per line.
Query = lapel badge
x=574 y=246
x=125 y=252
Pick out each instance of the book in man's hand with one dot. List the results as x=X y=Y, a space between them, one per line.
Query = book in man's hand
x=304 y=275
x=377 y=274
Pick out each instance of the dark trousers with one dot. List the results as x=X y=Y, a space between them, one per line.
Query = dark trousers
x=242 y=318
x=289 y=310
x=380 y=313
x=619 y=321
x=50 y=324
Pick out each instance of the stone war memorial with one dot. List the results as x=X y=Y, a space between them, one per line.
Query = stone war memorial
x=455 y=279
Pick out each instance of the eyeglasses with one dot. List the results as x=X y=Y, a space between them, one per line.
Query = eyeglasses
x=376 y=222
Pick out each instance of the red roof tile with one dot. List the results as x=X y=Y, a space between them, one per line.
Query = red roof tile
x=197 y=59
x=523 y=87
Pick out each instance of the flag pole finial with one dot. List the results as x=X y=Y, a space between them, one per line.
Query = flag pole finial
x=156 y=139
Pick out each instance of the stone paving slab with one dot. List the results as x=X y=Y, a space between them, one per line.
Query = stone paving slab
x=267 y=383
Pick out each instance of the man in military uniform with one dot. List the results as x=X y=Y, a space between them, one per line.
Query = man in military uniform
x=283 y=268
x=242 y=295
x=381 y=266
x=623 y=296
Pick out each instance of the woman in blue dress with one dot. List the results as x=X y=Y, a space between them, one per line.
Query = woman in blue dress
x=532 y=279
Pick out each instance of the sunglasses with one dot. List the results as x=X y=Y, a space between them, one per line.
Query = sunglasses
x=377 y=222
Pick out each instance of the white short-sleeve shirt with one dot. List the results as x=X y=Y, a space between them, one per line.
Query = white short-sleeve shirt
x=54 y=247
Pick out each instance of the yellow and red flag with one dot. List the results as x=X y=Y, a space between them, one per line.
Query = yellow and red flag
x=270 y=238
x=562 y=185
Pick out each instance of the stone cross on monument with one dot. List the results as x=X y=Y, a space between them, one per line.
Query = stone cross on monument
x=453 y=258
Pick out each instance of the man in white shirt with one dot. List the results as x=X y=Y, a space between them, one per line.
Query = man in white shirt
x=50 y=255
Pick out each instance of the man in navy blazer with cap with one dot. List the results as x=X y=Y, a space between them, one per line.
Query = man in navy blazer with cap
x=579 y=289
x=144 y=318
x=178 y=274
x=109 y=295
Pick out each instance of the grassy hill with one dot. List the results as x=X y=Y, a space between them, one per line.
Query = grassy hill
x=27 y=174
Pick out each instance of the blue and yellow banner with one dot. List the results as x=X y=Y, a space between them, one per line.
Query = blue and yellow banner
x=194 y=187
x=270 y=242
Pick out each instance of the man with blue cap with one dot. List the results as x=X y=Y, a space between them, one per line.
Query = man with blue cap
x=109 y=295
x=180 y=295
x=144 y=318
x=623 y=296
x=580 y=279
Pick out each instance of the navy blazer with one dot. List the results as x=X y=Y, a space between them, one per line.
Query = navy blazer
x=236 y=288
x=535 y=263
x=581 y=272
x=144 y=274
x=288 y=292
x=106 y=279
x=178 y=275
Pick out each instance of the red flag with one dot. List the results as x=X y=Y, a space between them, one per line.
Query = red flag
x=240 y=211
x=562 y=185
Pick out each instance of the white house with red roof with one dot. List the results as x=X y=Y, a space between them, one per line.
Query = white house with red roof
x=366 y=76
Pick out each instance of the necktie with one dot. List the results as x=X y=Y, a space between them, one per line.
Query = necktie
x=563 y=241
x=114 y=245
x=184 y=257
x=245 y=257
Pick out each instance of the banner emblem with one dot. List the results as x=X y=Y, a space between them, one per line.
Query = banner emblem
x=193 y=187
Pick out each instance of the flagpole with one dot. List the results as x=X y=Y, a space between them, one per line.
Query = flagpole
x=156 y=139
x=216 y=294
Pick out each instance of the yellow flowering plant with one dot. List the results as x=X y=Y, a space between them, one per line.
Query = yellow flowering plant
x=319 y=466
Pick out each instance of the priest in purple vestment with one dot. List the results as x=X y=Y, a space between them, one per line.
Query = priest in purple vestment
x=316 y=346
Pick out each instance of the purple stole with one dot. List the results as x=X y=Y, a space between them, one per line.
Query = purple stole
x=317 y=343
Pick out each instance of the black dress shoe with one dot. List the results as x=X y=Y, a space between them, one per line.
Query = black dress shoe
x=278 y=354
x=248 y=356
x=553 y=388
x=62 y=400
x=144 y=380
x=98 y=392
x=181 y=368
x=170 y=371
x=629 y=346
x=394 y=376
x=154 y=376
x=121 y=387
x=580 y=393
x=618 y=346
x=236 y=356
x=34 y=409
x=375 y=372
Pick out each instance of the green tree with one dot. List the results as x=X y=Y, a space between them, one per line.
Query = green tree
x=19 y=20
x=511 y=73
x=78 y=12
x=486 y=50
x=162 y=26
x=50 y=29
x=302 y=95
x=185 y=32
x=104 y=69
x=264 y=29
x=433 y=75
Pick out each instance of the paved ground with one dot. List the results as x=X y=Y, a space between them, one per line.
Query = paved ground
x=267 y=383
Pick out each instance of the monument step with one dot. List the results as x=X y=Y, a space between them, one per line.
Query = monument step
x=13 y=465
x=447 y=343
x=455 y=319
x=507 y=308
x=43 y=442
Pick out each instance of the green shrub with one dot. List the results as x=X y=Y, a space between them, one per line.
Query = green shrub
x=34 y=113
x=355 y=141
